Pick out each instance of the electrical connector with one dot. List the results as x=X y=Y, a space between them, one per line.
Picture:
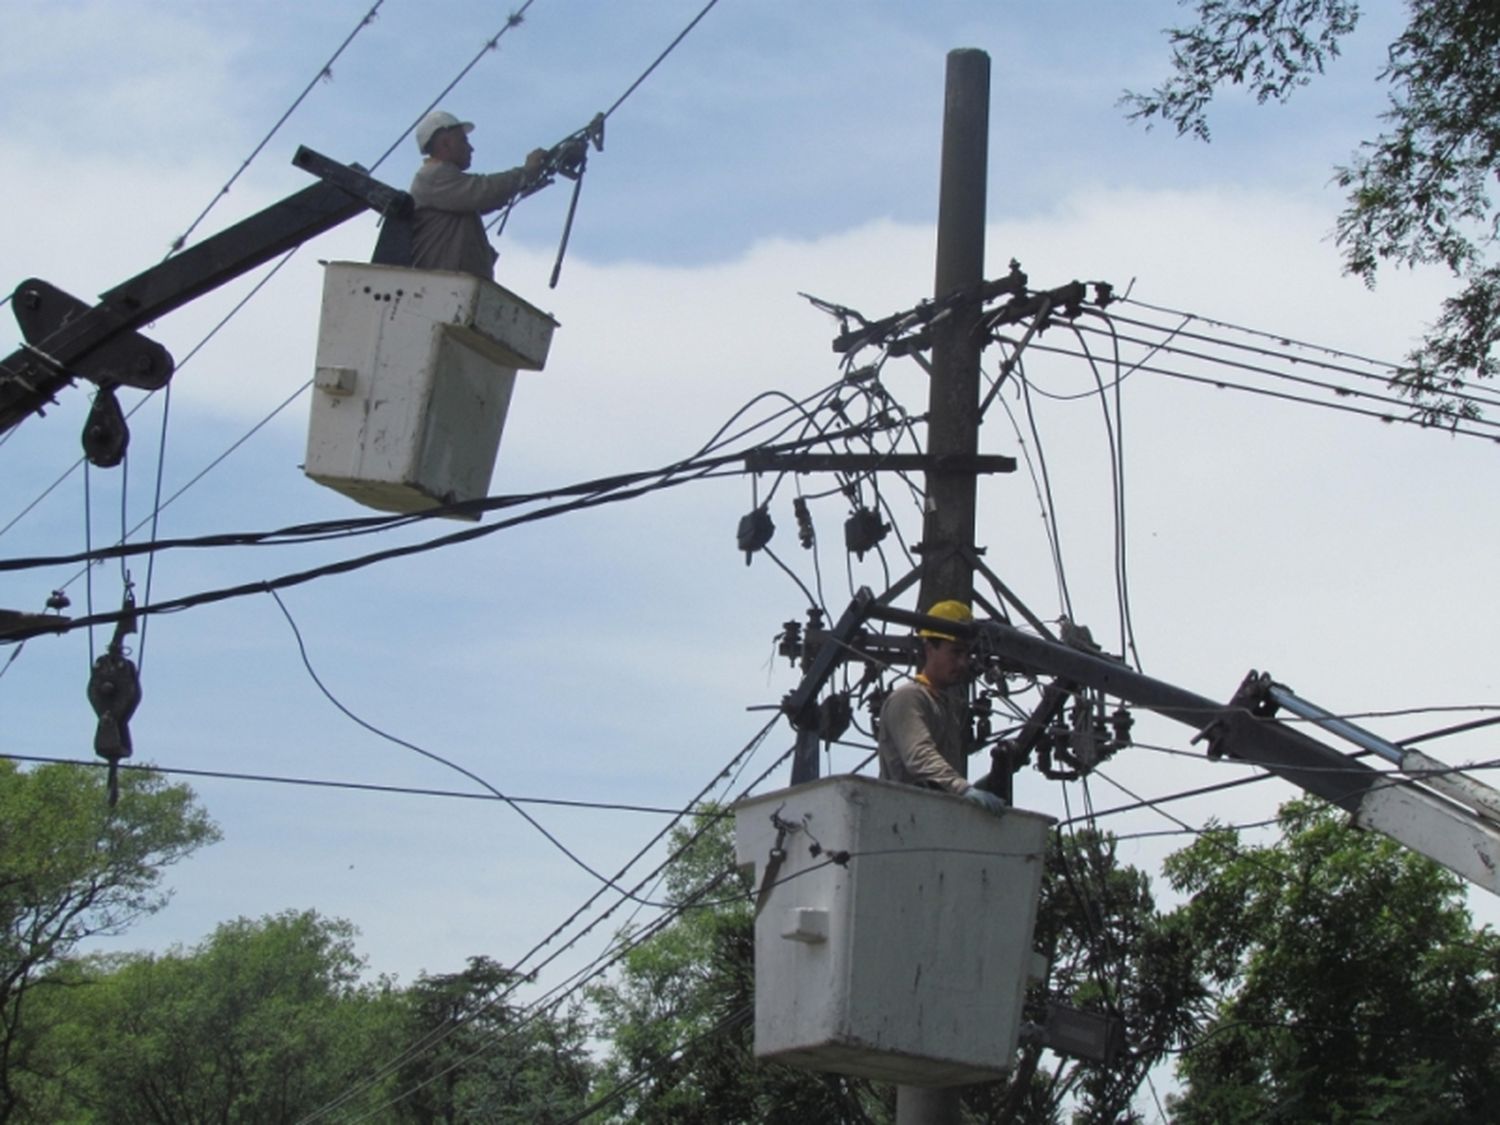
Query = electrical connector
x=863 y=530
x=755 y=532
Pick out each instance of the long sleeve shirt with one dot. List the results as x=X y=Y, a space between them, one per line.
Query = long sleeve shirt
x=447 y=232
x=922 y=737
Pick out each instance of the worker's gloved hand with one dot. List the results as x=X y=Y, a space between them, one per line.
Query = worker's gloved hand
x=985 y=800
x=536 y=164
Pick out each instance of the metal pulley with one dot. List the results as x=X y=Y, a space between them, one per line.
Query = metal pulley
x=114 y=692
x=106 y=437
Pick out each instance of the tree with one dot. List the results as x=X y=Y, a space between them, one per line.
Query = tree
x=1418 y=193
x=483 y=1060
x=263 y=1021
x=1351 y=983
x=1109 y=950
x=678 y=1017
x=72 y=867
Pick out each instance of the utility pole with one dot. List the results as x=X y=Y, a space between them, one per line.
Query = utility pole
x=953 y=402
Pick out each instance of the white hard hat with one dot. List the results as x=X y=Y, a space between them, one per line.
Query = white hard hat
x=436 y=120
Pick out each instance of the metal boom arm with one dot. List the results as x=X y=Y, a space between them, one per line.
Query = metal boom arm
x=66 y=337
x=1458 y=830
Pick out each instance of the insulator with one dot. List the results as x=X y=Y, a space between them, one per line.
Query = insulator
x=863 y=530
x=805 y=534
x=789 y=642
x=834 y=716
x=755 y=532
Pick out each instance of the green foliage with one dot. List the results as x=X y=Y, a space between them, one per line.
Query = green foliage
x=1109 y=951
x=678 y=1018
x=264 y=1021
x=271 y=1020
x=71 y=868
x=1271 y=48
x=1419 y=192
x=482 y=1060
x=1352 y=985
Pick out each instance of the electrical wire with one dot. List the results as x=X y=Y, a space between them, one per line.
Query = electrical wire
x=324 y=73
x=428 y=1042
x=672 y=46
x=1049 y=507
x=1191 y=831
x=725 y=1025
x=681 y=850
x=1114 y=430
x=1212 y=835
x=360 y=786
x=515 y=19
x=1386 y=374
x=670 y=477
x=430 y=755
x=1286 y=376
x=553 y=1000
x=1110 y=990
x=1222 y=383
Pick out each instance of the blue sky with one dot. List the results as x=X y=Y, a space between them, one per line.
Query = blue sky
x=611 y=656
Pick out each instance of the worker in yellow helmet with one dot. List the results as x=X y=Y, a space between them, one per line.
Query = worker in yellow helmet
x=924 y=722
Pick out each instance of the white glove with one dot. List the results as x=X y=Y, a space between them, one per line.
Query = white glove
x=985 y=800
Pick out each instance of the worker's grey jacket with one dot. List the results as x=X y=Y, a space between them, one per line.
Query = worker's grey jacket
x=922 y=737
x=447 y=232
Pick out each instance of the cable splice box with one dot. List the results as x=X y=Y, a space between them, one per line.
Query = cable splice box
x=414 y=375
x=893 y=929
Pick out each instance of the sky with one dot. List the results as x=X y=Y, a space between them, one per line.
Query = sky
x=624 y=655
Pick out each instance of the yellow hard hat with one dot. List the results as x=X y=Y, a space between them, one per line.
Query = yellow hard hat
x=949 y=611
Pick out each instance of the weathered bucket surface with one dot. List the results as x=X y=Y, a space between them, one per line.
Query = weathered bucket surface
x=893 y=936
x=414 y=375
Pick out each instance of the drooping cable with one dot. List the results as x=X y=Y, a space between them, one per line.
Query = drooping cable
x=429 y=1041
x=428 y=754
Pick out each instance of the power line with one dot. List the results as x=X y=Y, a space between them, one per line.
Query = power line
x=324 y=73
x=733 y=1020
x=670 y=477
x=1227 y=384
x=1282 y=339
x=356 y=786
x=431 y=1040
x=672 y=46
x=428 y=754
x=515 y=19
x=1286 y=376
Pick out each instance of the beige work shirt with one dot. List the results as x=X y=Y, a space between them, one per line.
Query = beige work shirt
x=922 y=737
x=447 y=232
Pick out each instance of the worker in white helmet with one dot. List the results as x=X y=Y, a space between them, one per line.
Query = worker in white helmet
x=448 y=233
x=924 y=722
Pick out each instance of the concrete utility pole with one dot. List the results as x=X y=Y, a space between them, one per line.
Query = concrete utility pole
x=953 y=404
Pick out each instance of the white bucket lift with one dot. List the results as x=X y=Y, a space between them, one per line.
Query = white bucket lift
x=414 y=375
x=908 y=960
